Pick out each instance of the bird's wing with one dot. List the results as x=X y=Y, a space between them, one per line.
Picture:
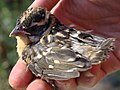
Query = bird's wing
x=58 y=64
x=94 y=48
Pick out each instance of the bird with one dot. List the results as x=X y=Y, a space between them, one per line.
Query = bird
x=53 y=51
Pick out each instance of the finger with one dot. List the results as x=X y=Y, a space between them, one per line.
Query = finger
x=98 y=72
x=111 y=65
x=20 y=76
x=49 y=4
x=39 y=84
x=91 y=77
x=66 y=85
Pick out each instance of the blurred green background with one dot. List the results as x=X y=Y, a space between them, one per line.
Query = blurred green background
x=10 y=10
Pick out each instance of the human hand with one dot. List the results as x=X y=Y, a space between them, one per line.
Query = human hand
x=102 y=16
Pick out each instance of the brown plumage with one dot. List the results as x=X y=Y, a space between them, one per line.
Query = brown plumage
x=54 y=51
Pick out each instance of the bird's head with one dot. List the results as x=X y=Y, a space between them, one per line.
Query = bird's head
x=32 y=23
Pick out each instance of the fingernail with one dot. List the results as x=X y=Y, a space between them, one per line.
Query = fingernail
x=87 y=79
x=88 y=74
x=90 y=80
x=66 y=85
x=62 y=84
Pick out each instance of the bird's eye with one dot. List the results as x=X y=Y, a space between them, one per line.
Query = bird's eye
x=27 y=23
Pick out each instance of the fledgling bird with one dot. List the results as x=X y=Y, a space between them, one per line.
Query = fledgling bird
x=54 y=51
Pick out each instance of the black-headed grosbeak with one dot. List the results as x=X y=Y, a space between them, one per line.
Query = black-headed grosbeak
x=54 y=51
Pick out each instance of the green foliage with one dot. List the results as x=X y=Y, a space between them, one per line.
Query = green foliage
x=9 y=12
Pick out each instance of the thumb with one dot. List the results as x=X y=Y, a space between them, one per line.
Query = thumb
x=91 y=78
x=49 y=4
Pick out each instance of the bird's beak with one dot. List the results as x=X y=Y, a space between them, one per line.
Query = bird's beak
x=17 y=32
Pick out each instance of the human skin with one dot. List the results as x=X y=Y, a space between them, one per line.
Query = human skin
x=101 y=16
